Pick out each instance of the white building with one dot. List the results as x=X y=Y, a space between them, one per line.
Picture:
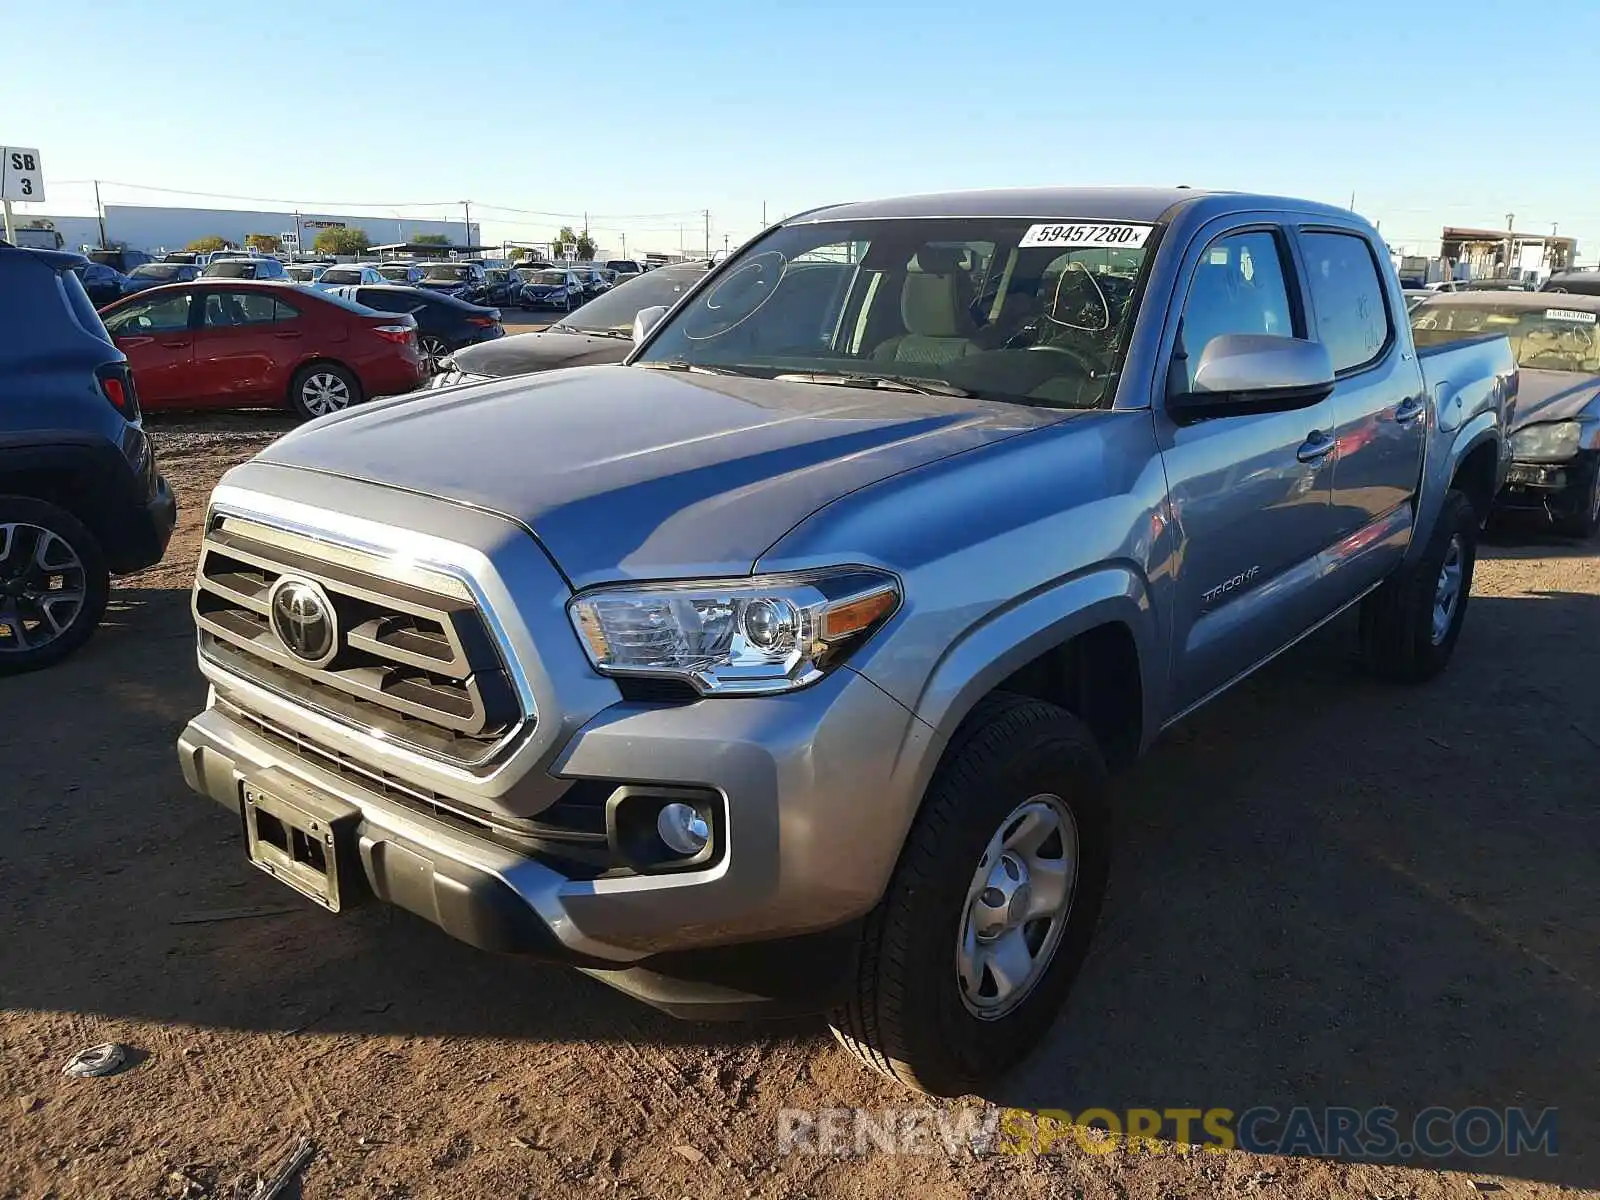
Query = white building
x=153 y=228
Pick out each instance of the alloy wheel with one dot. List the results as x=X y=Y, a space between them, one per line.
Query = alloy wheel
x=1017 y=906
x=1447 y=591
x=323 y=393
x=42 y=586
x=433 y=349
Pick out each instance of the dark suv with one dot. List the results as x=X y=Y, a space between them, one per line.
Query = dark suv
x=80 y=497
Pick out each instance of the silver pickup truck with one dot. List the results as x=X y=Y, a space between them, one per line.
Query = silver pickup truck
x=781 y=667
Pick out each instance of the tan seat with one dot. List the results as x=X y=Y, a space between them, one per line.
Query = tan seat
x=937 y=321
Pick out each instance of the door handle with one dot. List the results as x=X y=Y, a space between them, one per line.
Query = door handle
x=1317 y=446
x=1410 y=409
x=287 y=334
x=179 y=345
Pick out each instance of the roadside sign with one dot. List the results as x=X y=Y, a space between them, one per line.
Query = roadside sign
x=21 y=174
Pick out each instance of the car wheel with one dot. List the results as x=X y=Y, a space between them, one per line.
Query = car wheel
x=433 y=349
x=1410 y=625
x=1584 y=521
x=324 y=388
x=53 y=584
x=964 y=964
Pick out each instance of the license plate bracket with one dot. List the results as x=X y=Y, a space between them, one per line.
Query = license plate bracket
x=304 y=842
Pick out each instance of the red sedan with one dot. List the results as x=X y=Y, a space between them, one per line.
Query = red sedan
x=231 y=343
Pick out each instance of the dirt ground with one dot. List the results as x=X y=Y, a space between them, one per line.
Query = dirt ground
x=1327 y=892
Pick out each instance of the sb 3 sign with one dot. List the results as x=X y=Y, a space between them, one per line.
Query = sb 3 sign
x=21 y=174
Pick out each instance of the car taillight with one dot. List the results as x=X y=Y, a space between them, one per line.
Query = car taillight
x=116 y=385
x=400 y=335
x=485 y=322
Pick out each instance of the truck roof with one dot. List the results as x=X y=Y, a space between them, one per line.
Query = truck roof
x=1088 y=203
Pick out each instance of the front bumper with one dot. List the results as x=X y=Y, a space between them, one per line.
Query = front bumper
x=814 y=806
x=1559 y=488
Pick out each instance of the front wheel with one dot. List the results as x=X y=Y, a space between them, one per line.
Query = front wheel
x=966 y=961
x=1410 y=625
x=324 y=388
x=54 y=584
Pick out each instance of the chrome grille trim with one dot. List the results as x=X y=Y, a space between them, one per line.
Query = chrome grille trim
x=423 y=664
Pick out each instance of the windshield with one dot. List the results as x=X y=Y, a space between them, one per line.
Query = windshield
x=155 y=271
x=302 y=274
x=397 y=272
x=335 y=275
x=1543 y=339
x=446 y=272
x=1027 y=311
x=231 y=269
x=546 y=278
x=614 y=311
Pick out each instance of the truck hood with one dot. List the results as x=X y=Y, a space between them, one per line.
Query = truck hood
x=1554 y=396
x=628 y=473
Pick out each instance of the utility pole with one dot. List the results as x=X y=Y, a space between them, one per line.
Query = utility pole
x=724 y=245
x=1511 y=241
x=708 y=233
x=100 y=214
x=299 y=237
x=467 y=205
x=763 y=214
x=624 y=243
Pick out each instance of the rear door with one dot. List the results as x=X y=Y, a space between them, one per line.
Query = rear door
x=1379 y=404
x=236 y=352
x=1251 y=494
x=156 y=336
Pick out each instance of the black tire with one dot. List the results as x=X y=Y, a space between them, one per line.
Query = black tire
x=907 y=1016
x=1583 y=522
x=1399 y=641
x=305 y=384
x=35 y=621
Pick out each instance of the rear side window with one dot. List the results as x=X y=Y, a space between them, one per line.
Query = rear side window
x=1347 y=295
x=227 y=309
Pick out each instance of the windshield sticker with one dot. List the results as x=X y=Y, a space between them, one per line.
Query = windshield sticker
x=1085 y=233
x=1569 y=314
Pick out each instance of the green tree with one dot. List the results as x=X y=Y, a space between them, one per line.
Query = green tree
x=207 y=245
x=431 y=239
x=582 y=244
x=517 y=254
x=585 y=247
x=341 y=240
x=266 y=243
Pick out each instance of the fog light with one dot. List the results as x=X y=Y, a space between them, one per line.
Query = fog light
x=683 y=829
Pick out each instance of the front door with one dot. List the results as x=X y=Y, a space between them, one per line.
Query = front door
x=1251 y=495
x=1379 y=407
x=154 y=333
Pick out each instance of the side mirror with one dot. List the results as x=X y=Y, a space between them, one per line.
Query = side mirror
x=1243 y=373
x=645 y=320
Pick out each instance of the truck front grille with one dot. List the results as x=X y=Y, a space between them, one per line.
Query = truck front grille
x=410 y=661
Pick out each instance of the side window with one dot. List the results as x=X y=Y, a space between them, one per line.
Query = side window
x=224 y=310
x=1347 y=295
x=284 y=312
x=157 y=316
x=1239 y=286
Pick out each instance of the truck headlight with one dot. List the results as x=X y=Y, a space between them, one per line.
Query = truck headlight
x=1552 y=442
x=757 y=636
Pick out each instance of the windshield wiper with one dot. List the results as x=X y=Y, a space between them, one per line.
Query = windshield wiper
x=605 y=333
x=891 y=383
x=677 y=364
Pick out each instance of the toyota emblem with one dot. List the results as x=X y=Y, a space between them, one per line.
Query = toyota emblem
x=304 y=619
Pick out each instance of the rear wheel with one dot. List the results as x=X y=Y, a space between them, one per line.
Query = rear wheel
x=1584 y=521
x=1409 y=626
x=965 y=963
x=53 y=584
x=323 y=388
x=433 y=349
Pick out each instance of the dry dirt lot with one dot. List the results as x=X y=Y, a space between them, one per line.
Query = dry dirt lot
x=1327 y=892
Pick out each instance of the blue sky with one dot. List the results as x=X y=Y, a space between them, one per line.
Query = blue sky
x=645 y=113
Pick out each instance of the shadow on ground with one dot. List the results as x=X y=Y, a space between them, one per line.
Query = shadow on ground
x=1327 y=891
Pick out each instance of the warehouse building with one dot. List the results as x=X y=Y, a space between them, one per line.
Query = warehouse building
x=154 y=229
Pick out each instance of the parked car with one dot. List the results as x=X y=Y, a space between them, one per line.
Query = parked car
x=464 y=281
x=503 y=286
x=407 y=274
x=101 y=283
x=304 y=273
x=80 y=496
x=599 y=332
x=151 y=275
x=551 y=287
x=345 y=274
x=120 y=259
x=595 y=280
x=260 y=267
x=443 y=323
x=783 y=666
x=1415 y=296
x=1490 y=285
x=1555 y=434
x=1585 y=282
x=623 y=269
x=234 y=343
x=187 y=257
